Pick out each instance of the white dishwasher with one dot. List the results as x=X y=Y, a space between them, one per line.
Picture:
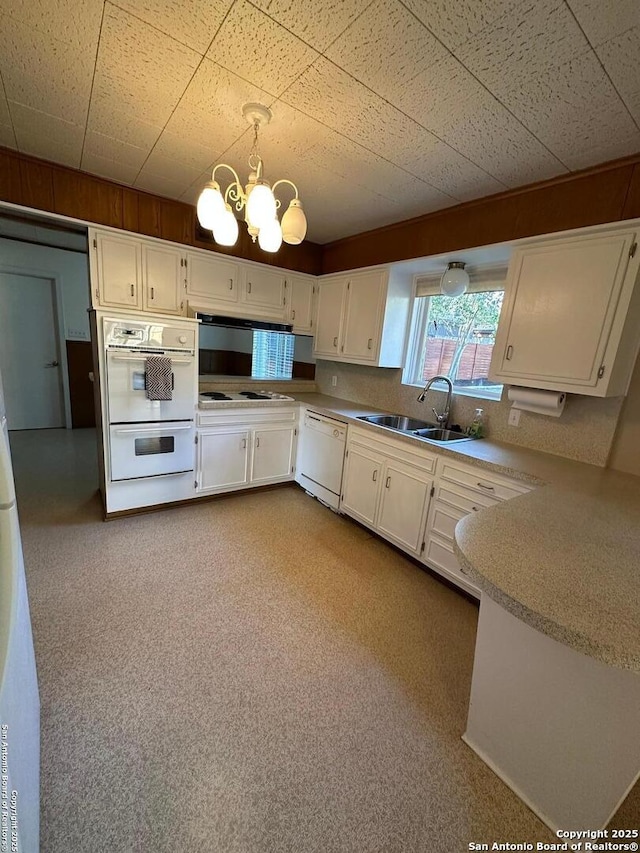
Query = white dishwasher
x=321 y=458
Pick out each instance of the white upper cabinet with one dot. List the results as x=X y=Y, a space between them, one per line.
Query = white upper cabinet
x=264 y=290
x=300 y=294
x=362 y=318
x=163 y=273
x=116 y=271
x=212 y=279
x=331 y=297
x=570 y=316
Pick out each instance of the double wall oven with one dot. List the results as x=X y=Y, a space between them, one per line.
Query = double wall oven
x=148 y=434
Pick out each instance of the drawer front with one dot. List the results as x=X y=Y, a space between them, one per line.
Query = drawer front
x=465 y=500
x=479 y=481
x=439 y=556
x=231 y=416
x=444 y=520
x=379 y=441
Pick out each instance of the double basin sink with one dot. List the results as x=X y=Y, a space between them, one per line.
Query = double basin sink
x=412 y=426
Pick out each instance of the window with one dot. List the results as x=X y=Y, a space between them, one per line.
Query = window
x=272 y=355
x=455 y=336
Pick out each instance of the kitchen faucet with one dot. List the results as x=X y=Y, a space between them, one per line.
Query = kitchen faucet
x=441 y=417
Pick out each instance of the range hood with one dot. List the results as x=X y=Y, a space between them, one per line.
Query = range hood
x=242 y=323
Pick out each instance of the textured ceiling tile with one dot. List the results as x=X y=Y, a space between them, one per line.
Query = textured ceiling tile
x=47 y=136
x=387 y=49
x=319 y=23
x=169 y=167
x=44 y=73
x=107 y=120
x=7 y=136
x=271 y=57
x=603 y=20
x=489 y=136
x=620 y=59
x=191 y=22
x=108 y=148
x=182 y=148
x=455 y=175
x=456 y=21
x=574 y=111
x=359 y=114
x=220 y=94
x=528 y=40
x=113 y=170
x=141 y=70
x=161 y=185
x=76 y=22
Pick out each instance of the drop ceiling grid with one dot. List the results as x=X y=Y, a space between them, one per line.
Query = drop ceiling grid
x=383 y=109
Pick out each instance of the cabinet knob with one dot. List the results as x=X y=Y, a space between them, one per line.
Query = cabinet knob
x=335 y=341
x=293 y=314
x=133 y=290
x=152 y=292
x=244 y=443
x=182 y=339
x=248 y=287
x=370 y=343
x=388 y=483
x=509 y=352
x=484 y=486
x=230 y=284
x=257 y=441
x=375 y=475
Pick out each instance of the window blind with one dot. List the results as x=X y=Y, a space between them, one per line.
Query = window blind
x=272 y=355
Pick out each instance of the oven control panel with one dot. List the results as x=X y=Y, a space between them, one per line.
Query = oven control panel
x=139 y=333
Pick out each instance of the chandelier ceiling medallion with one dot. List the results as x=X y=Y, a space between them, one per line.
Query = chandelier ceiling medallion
x=257 y=199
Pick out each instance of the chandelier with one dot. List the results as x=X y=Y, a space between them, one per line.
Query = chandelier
x=257 y=199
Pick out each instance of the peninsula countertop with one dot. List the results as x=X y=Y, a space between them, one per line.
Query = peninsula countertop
x=564 y=558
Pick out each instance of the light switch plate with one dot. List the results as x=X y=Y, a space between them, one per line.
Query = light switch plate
x=514 y=417
x=334 y=381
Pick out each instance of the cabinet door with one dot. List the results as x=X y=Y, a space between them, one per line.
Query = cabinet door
x=361 y=484
x=163 y=276
x=300 y=293
x=331 y=296
x=361 y=336
x=264 y=290
x=223 y=459
x=561 y=302
x=273 y=454
x=403 y=505
x=212 y=279
x=118 y=261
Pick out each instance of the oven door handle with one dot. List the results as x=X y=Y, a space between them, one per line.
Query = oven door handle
x=159 y=428
x=144 y=358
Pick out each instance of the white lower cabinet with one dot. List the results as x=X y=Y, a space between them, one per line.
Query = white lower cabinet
x=387 y=485
x=415 y=498
x=460 y=489
x=240 y=448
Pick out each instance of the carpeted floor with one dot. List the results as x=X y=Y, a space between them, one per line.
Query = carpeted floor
x=249 y=675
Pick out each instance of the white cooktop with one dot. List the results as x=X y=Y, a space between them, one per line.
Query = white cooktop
x=209 y=399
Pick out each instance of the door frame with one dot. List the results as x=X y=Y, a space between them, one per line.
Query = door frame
x=59 y=326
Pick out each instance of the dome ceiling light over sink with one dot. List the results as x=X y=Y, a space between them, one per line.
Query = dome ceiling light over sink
x=257 y=199
x=455 y=279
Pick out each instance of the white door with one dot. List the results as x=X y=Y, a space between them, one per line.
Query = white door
x=405 y=497
x=164 y=279
x=119 y=271
x=211 y=279
x=272 y=454
x=223 y=459
x=29 y=352
x=329 y=315
x=300 y=296
x=362 y=320
x=265 y=290
x=361 y=484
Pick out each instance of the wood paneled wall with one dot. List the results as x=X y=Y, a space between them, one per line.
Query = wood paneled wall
x=57 y=189
x=607 y=193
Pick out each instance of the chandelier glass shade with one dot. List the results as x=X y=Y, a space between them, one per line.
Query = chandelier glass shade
x=257 y=199
x=455 y=279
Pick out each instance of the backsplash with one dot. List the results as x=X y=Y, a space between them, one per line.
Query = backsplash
x=585 y=430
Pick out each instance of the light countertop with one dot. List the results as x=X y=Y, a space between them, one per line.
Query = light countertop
x=564 y=558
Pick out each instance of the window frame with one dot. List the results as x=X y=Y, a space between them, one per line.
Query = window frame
x=493 y=280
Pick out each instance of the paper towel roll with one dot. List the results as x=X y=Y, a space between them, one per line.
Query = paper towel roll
x=538 y=401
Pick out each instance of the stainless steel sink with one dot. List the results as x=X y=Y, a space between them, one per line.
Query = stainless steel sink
x=437 y=434
x=398 y=422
